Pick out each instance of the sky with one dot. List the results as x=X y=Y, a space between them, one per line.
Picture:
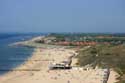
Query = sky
x=62 y=16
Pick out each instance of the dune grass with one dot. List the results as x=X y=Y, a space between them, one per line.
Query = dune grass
x=105 y=56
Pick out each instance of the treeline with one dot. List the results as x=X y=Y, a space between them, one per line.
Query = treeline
x=88 y=34
x=114 y=39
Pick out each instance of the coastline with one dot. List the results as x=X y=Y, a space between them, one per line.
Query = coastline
x=19 y=70
x=35 y=69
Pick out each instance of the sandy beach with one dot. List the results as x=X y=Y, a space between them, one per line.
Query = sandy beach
x=35 y=69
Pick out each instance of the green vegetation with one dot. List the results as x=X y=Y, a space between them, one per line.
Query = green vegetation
x=105 y=56
x=114 y=39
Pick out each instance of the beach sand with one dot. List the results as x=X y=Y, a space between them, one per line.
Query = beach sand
x=35 y=70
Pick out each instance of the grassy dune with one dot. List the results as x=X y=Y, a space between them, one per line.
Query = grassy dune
x=105 y=56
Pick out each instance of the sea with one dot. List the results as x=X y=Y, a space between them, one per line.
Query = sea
x=13 y=56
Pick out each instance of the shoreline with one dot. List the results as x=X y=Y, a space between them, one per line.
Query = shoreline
x=39 y=62
x=23 y=63
x=19 y=70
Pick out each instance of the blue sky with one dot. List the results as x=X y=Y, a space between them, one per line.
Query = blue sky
x=62 y=16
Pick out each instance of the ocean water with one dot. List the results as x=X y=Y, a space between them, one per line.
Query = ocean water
x=13 y=56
